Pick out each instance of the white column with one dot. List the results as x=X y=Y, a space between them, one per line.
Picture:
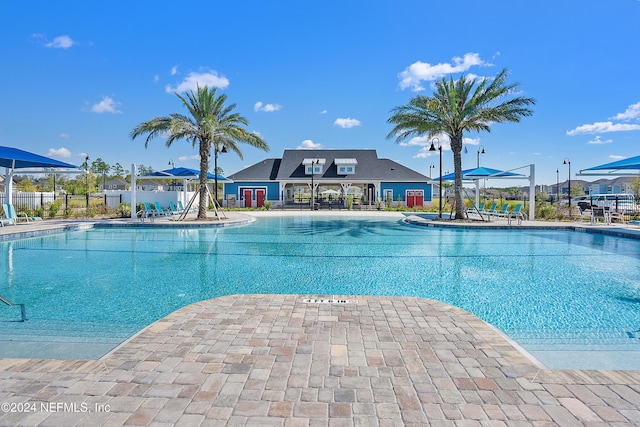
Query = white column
x=133 y=192
x=532 y=191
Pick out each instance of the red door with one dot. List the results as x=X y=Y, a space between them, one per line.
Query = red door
x=259 y=198
x=419 y=198
x=247 y=198
x=411 y=198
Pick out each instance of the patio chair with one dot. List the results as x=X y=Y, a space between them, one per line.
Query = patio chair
x=491 y=211
x=599 y=213
x=503 y=212
x=10 y=213
x=585 y=214
x=159 y=209
x=180 y=207
x=173 y=209
x=150 y=211
x=517 y=214
x=476 y=210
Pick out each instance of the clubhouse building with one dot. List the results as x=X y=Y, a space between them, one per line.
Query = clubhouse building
x=334 y=178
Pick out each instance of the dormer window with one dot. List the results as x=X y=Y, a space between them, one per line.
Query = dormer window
x=346 y=166
x=313 y=166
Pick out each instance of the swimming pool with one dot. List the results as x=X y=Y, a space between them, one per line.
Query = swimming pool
x=559 y=290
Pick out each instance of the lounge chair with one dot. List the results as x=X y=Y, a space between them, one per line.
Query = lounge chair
x=161 y=211
x=476 y=210
x=10 y=213
x=150 y=211
x=180 y=207
x=517 y=214
x=503 y=212
x=173 y=209
x=491 y=211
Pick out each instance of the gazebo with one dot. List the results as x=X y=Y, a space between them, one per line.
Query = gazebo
x=186 y=174
x=14 y=158
x=480 y=173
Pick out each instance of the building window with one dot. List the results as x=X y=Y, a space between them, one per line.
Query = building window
x=317 y=169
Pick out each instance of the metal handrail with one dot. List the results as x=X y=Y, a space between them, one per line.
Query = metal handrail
x=23 y=312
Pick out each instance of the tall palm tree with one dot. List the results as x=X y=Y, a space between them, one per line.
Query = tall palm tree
x=212 y=125
x=455 y=108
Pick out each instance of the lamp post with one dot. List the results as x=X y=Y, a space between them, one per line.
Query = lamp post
x=86 y=169
x=431 y=167
x=568 y=162
x=215 y=170
x=558 y=186
x=313 y=165
x=480 y=152
x=173 y=181
x=433 y=148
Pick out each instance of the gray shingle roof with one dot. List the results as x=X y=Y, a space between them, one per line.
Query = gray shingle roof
x=290 y=167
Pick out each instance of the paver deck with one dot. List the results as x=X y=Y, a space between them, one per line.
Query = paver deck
x=276 y=360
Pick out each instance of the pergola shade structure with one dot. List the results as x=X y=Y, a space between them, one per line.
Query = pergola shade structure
x=624 y=167
x=477 y=174
x=14 y=158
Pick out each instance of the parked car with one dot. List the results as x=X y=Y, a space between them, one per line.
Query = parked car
x=620 y=202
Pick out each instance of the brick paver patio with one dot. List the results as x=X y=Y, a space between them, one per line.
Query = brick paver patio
x=275 y=360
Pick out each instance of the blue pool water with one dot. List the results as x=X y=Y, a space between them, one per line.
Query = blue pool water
x=559 y=290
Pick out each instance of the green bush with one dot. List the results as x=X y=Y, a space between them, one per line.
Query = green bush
x=267 y=205
x=350 y=201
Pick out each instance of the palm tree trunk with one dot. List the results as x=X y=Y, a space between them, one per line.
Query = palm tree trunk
x=456 y=147
x=204 y=169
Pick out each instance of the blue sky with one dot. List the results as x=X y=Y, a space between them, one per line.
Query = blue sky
x=78 y=76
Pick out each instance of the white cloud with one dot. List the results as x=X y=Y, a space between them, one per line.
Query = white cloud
x=470 y=141
x=107 y=105
x=267 y=108
x=193 y=80
x=616 y=157
x=598 y=141
x=323 y=112
x=347 y=123
x=413 y=76
x=187 y=158
x=632 y=112
x=602 y=127
x=174 y=70
x=64 y=135
x=59 y=152
x=308 y=144
x=61 y=42
x=156 y=78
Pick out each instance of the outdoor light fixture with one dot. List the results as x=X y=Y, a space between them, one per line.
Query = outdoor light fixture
x=568 y=162
x=480 y=152
x=433 y=148
x=215 y=169
x=558 y=185
x=312 y=171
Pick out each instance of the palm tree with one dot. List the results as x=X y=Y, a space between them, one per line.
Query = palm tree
x=211 y=125
x=456 y=108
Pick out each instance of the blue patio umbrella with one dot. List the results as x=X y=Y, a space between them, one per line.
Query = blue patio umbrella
x=185 y=173
x=14 y=158
x=632 y=163
x=481 y=173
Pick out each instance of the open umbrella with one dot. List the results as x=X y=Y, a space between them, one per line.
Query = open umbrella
x=14 y=158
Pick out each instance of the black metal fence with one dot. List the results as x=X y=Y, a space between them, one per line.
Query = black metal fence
x=626 y=204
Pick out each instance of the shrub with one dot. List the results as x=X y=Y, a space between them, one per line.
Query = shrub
x=350 y=201
x=267 y=205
